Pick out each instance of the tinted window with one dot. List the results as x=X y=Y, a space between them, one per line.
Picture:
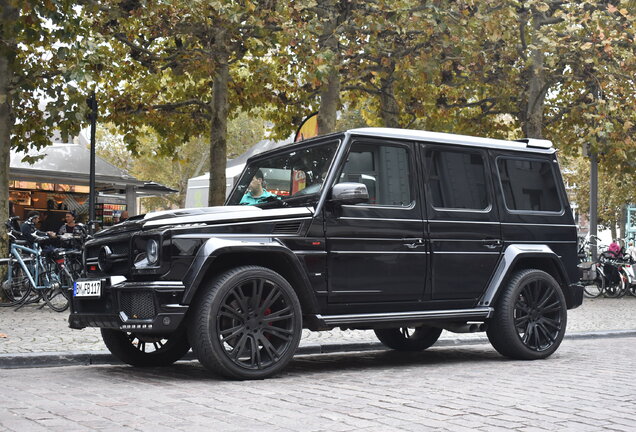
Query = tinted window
x=529 y=185
x=457 y=179
x=383 y=169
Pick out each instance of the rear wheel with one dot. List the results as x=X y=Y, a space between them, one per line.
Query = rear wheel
x=530 y=317
x=146 y=350
x=246 y=324
x=409 y=338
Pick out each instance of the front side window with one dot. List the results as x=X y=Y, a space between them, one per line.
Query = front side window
x=457 y=180
x=384 y=170
x=529 y=185
x=285 y=178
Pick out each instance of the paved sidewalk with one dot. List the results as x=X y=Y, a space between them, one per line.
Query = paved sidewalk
x=30 y=331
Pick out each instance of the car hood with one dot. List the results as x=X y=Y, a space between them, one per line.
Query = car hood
x=204 y=215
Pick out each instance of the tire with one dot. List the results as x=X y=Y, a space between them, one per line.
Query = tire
x=246 y=324
x=18 y=290
x=146 y=350
x=530 y=317
x=408 y=338
x=613 y=290
x=56 y=296
x=595 y=289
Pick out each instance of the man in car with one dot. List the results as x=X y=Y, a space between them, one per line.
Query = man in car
x=256 y=193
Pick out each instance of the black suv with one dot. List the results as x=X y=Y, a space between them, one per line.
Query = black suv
x=403 y=232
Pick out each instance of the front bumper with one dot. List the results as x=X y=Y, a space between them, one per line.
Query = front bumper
x=143 y=307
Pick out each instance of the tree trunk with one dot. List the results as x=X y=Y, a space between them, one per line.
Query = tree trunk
x=7 y=55
x=532 y=105
x=218 y=126
x=389 y=109
x=330 y=89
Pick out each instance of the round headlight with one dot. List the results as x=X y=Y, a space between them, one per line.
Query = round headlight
x=152 y=251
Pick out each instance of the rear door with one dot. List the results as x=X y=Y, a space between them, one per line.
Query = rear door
x=463 y=220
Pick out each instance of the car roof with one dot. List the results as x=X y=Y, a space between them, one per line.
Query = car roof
x=527 y=144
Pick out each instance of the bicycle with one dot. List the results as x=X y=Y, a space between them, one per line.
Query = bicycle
x=593 y=274
x=31 y=277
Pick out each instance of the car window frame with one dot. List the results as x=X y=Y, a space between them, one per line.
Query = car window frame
x=555 y=178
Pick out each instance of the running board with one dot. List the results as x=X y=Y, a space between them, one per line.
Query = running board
x=478 y=314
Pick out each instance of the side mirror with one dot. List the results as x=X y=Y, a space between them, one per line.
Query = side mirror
x=349 y=193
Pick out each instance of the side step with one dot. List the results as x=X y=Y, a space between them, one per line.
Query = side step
x=476 y=314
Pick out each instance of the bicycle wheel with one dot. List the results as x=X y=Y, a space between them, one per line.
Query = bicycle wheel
x=596 y=288
x=613 y=289
x=17 y=290
x=55 y=295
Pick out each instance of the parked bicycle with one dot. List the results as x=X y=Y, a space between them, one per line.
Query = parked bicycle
x=32 y=277
x=612 y=275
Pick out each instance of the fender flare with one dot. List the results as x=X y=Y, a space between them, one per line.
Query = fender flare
x=513 y=254
x=215 y=247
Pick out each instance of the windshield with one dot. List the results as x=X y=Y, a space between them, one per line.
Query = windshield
x=289 y=178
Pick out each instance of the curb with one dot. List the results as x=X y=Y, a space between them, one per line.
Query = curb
x=89 y=358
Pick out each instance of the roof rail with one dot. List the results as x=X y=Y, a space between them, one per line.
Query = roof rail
x=534 y=142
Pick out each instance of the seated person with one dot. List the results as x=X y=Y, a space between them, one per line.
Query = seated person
x=72 y=228
x=30 y=232
x=256 y=193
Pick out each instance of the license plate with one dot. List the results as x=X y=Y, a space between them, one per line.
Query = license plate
x=88 y=288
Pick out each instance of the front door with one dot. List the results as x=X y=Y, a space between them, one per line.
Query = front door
x=464 y=227
x=376 y=250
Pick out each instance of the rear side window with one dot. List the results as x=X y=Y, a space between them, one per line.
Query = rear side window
x=529 y=185
x=457 y=180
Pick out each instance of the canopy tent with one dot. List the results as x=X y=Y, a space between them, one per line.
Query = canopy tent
x=64 y=168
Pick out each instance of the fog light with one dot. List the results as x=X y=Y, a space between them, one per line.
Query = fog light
x=166 y=321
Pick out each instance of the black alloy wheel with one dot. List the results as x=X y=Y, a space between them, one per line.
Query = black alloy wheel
x=247 y=323
x=409 y=338
x=530 y=317
x=146 y=350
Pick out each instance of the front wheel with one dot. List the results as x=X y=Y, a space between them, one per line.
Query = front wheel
x=530 y=317
x=145 y=350
x=409 y=339
x=246 y=324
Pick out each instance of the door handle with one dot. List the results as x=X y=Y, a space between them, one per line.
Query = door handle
x=414 y=243
x=492 y=243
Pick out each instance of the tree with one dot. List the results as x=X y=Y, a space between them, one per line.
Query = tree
x=39 y=62
x=183 y=69
x=187 y=161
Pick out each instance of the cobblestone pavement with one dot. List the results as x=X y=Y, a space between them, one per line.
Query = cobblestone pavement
x=33 y=330
x=585 y=386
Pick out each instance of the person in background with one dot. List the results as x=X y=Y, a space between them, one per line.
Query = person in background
x=69 y=225
x=123 y=216
x=631 y=250
x=30 y=231
x=614 y=249
x=256 y=193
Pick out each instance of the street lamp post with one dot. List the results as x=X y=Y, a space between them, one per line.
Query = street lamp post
x=92 y=104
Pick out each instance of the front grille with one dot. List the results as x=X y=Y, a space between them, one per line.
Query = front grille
x=119 y=264
x=137 y=304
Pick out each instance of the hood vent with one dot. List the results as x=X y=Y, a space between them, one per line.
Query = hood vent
x=287 y=228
